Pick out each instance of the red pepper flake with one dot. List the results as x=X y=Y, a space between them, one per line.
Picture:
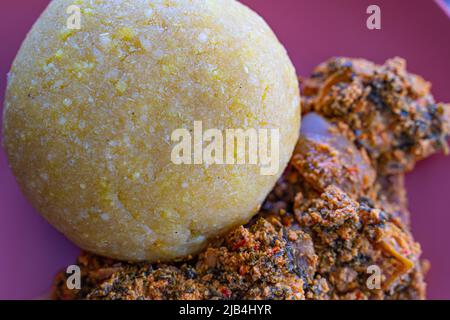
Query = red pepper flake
x=358 y=295
x=287 y=221
x=239 y=244
x=273 y=251
x=353 y=170
x=243 y=270
x=226 y=292
x=405 y=252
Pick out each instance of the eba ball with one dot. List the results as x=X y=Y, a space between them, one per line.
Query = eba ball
x=89 y=115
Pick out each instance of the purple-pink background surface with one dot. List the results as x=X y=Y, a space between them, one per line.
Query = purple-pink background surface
x=31 y=251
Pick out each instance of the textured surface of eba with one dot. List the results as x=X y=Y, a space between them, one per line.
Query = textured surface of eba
x=89 y=114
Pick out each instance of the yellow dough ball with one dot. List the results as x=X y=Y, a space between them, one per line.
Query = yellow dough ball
x=90 y=115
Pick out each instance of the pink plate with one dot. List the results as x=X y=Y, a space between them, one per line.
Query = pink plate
x=31 y=251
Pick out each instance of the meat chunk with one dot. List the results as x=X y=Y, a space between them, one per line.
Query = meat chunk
x=391 y=112
x=325 y=156
x=352 y=237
